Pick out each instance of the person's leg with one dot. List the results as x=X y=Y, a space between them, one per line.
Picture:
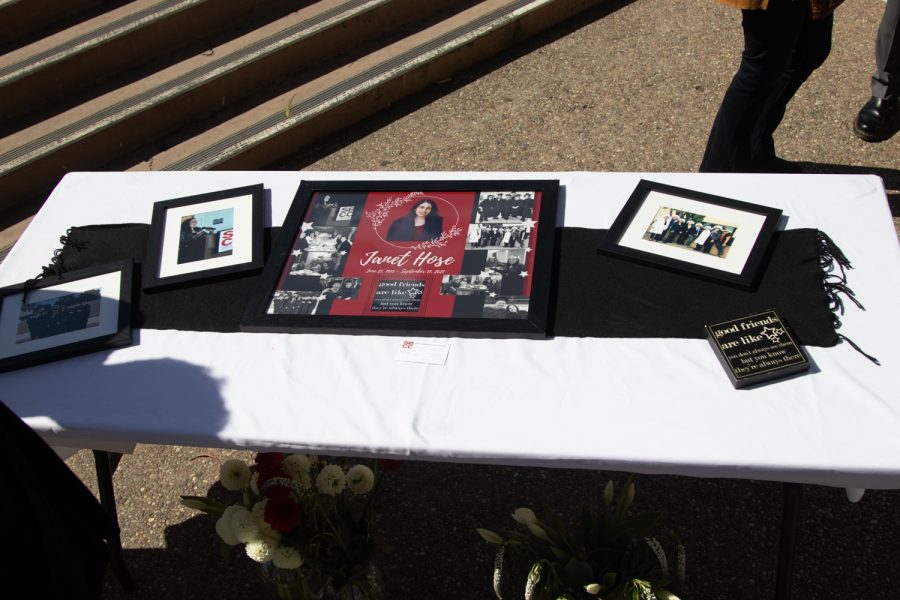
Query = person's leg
x=886 y=80
x=769 y=40
x=812 y=48
x=871 y=123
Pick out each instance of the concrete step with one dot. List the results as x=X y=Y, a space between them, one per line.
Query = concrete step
x=58 y=66
x=299 y=117
x=19 y=19
x=94 y=133
x=254 y=99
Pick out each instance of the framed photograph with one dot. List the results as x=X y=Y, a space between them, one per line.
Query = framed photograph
x=464 y=258
x=80 y=312
x=705 y=235
x=209 y=236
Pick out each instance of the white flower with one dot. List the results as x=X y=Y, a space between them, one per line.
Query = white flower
x=498 y=571
x=524 y=516
x=680 y=567
x=659 y=552
x=260 y=549
x=297 y=466
x=243 y=525
x=223 y=526
x=593 y=588
x=259 y=519
x=360 y=479
x=331 y=480
x=234 y=474
x=287 y=557
x=534 y=576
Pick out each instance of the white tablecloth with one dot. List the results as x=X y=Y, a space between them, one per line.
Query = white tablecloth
x=640 y=405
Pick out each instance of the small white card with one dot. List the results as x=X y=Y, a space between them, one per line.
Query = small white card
x=432 y=352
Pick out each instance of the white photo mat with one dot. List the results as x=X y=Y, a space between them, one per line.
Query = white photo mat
x=749 y=225
x=109 y=285
x=243 y=236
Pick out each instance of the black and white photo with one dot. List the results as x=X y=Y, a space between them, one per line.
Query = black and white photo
x=60 y=316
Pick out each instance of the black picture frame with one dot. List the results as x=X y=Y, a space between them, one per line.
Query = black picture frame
x=61 y=316
x=731 y=252
x=228 y=243
x=386 y=284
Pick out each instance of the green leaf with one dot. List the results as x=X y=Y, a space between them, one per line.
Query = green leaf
x=560 y=554
x=579 y=572
x=225 y=550
x=587 y=521
x=202 y=503
x=641 y=525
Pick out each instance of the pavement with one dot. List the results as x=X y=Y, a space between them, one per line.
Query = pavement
x=631 y=86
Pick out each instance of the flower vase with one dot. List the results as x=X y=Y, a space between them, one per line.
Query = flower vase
x=370 y=586
x=291 y=584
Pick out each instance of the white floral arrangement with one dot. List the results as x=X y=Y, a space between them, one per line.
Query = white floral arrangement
x=297 y=511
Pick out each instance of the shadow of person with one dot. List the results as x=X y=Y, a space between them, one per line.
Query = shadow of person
x=190 y=567
x=163 y=400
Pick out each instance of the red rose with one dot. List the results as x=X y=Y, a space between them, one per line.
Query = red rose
x=387 y=465
x=268 y=465
x=278 y=491
x=282 y=513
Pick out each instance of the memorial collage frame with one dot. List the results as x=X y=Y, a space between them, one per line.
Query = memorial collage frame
x=350 y=258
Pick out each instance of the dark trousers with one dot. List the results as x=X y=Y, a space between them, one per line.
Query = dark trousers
x=886 y=81
x=783 y=45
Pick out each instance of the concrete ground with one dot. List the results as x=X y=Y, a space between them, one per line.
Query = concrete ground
x=632 y=86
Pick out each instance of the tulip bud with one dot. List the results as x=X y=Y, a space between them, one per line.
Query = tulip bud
x=524 y=516
x=608 y=493
x=628 y=497
x=489 y=536
x=593 y=588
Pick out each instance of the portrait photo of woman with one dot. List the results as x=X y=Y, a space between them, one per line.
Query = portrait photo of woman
x=422 y=223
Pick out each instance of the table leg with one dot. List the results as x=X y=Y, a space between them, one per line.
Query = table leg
x=106 y=463
x=789 y=519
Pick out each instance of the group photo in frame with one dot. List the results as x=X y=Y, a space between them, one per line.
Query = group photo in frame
x=697 y=233
x=205 y=237
x=468 y=258
x=61 y=316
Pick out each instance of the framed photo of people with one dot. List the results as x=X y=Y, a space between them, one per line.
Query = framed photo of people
x=204 y=237
x=467 y=258
x=60 y=316
x=705 y=235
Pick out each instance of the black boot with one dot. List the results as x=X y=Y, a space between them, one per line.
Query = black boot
x=872 y=121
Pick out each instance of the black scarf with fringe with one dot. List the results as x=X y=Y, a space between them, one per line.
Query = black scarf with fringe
x=593 y=295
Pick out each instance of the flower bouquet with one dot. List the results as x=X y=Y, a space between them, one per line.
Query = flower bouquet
x=306 y=522
x=610 y=556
